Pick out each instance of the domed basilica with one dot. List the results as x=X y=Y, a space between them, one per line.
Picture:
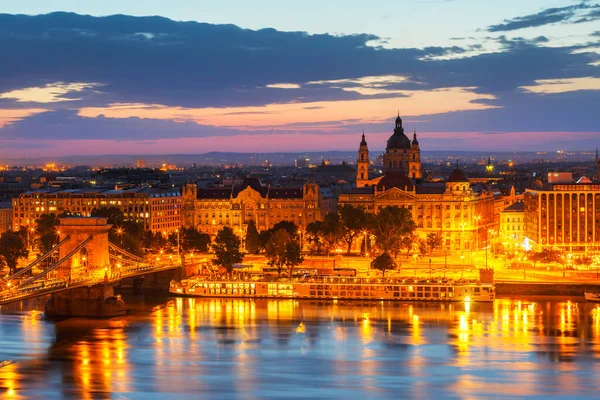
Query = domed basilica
x=451 y=208
x=401 y=157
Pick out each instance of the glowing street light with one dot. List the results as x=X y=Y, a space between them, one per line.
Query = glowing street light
x=120 y=233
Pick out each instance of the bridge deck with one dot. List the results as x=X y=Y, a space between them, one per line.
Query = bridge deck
x=49 y=286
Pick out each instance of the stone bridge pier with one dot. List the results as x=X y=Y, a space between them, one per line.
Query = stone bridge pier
x=91 y=260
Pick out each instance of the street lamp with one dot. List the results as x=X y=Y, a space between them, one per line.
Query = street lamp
x=365 y=241
x=487 y=244
x=415 y=258
x=477 y=219
x=120 y=233
x=29 y=244
x=177 y=230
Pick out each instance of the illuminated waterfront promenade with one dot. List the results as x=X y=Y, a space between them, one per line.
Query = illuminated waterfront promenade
x=274 y=348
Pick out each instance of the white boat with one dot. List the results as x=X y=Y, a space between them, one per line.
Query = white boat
x=592 y=296
x=341 y=288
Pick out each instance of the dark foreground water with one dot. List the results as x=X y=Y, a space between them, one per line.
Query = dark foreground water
x=193 y=348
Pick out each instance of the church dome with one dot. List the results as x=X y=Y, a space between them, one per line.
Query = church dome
x=398 y=140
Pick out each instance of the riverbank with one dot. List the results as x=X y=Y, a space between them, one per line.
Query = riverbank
x=516 y=288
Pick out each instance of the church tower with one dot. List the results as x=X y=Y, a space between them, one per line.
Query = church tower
x=414 y=161
x=397 y=157
x=489 y=167
x=362 y=163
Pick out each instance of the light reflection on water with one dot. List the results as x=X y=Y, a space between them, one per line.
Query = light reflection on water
x=297 y=349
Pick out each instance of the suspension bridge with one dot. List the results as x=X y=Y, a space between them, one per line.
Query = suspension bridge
x=80 y=272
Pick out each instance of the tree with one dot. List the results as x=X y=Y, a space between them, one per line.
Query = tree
x=293 y=256
x=114 y=215
x=550 y=255
x=324 y=235
x=275 y=250
x=194 y=240
x=12 y=247
x=383 y=262
x=408 y=242
x=331 y=232
x=290 y=227
x=46 y=231
x=353 y=221
x=534 y=256
x=434 y=240
x=584 y=261
x=391 y=227
x=253 y=244
x=314 y=238
x=422 y=245
x=283 y=251
x=227 y=249
x=131 y=236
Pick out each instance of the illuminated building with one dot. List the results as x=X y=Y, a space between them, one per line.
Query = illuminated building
x=158 y=210
x=489 y=167
x=565 y=215
x=5 y=217
x=451 y=209
x=362 y=164
x=402 y=155
x=211 y=209
x=302 y=163
x=512 y=223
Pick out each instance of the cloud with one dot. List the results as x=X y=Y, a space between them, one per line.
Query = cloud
x=192 y=64
x=283 y=86
x=50 y=93
x=164 y=80
x=563 y=85
x=8 y=116
x=577 y=13
x=278 y=115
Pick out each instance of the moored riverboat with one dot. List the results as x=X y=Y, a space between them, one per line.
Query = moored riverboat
x=341 y=288
x=592 y=296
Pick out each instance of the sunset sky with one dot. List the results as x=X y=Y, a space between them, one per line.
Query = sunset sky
x=105 y=78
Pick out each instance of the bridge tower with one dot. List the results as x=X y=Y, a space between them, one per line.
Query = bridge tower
x=89 y=240
x=94 y=256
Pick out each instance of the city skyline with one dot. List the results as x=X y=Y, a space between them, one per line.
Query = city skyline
x=505 y=78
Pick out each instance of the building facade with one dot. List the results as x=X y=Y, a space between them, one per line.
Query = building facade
x=158 y=210
x=209 y=210
x=5 y=217
x=564 y=216
x=451 y=208
x=512 y=225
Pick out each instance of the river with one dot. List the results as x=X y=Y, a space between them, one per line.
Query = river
x=252 y=349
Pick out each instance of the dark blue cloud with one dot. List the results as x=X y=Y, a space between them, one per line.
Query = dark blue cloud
x=189 y=64
x=157 y=60
x=65 y=124
x=549 y=16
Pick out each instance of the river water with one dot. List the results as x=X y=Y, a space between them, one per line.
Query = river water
x=247 y=349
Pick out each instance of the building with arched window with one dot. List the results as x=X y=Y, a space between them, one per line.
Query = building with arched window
x=209 y=210
x=451 y=209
